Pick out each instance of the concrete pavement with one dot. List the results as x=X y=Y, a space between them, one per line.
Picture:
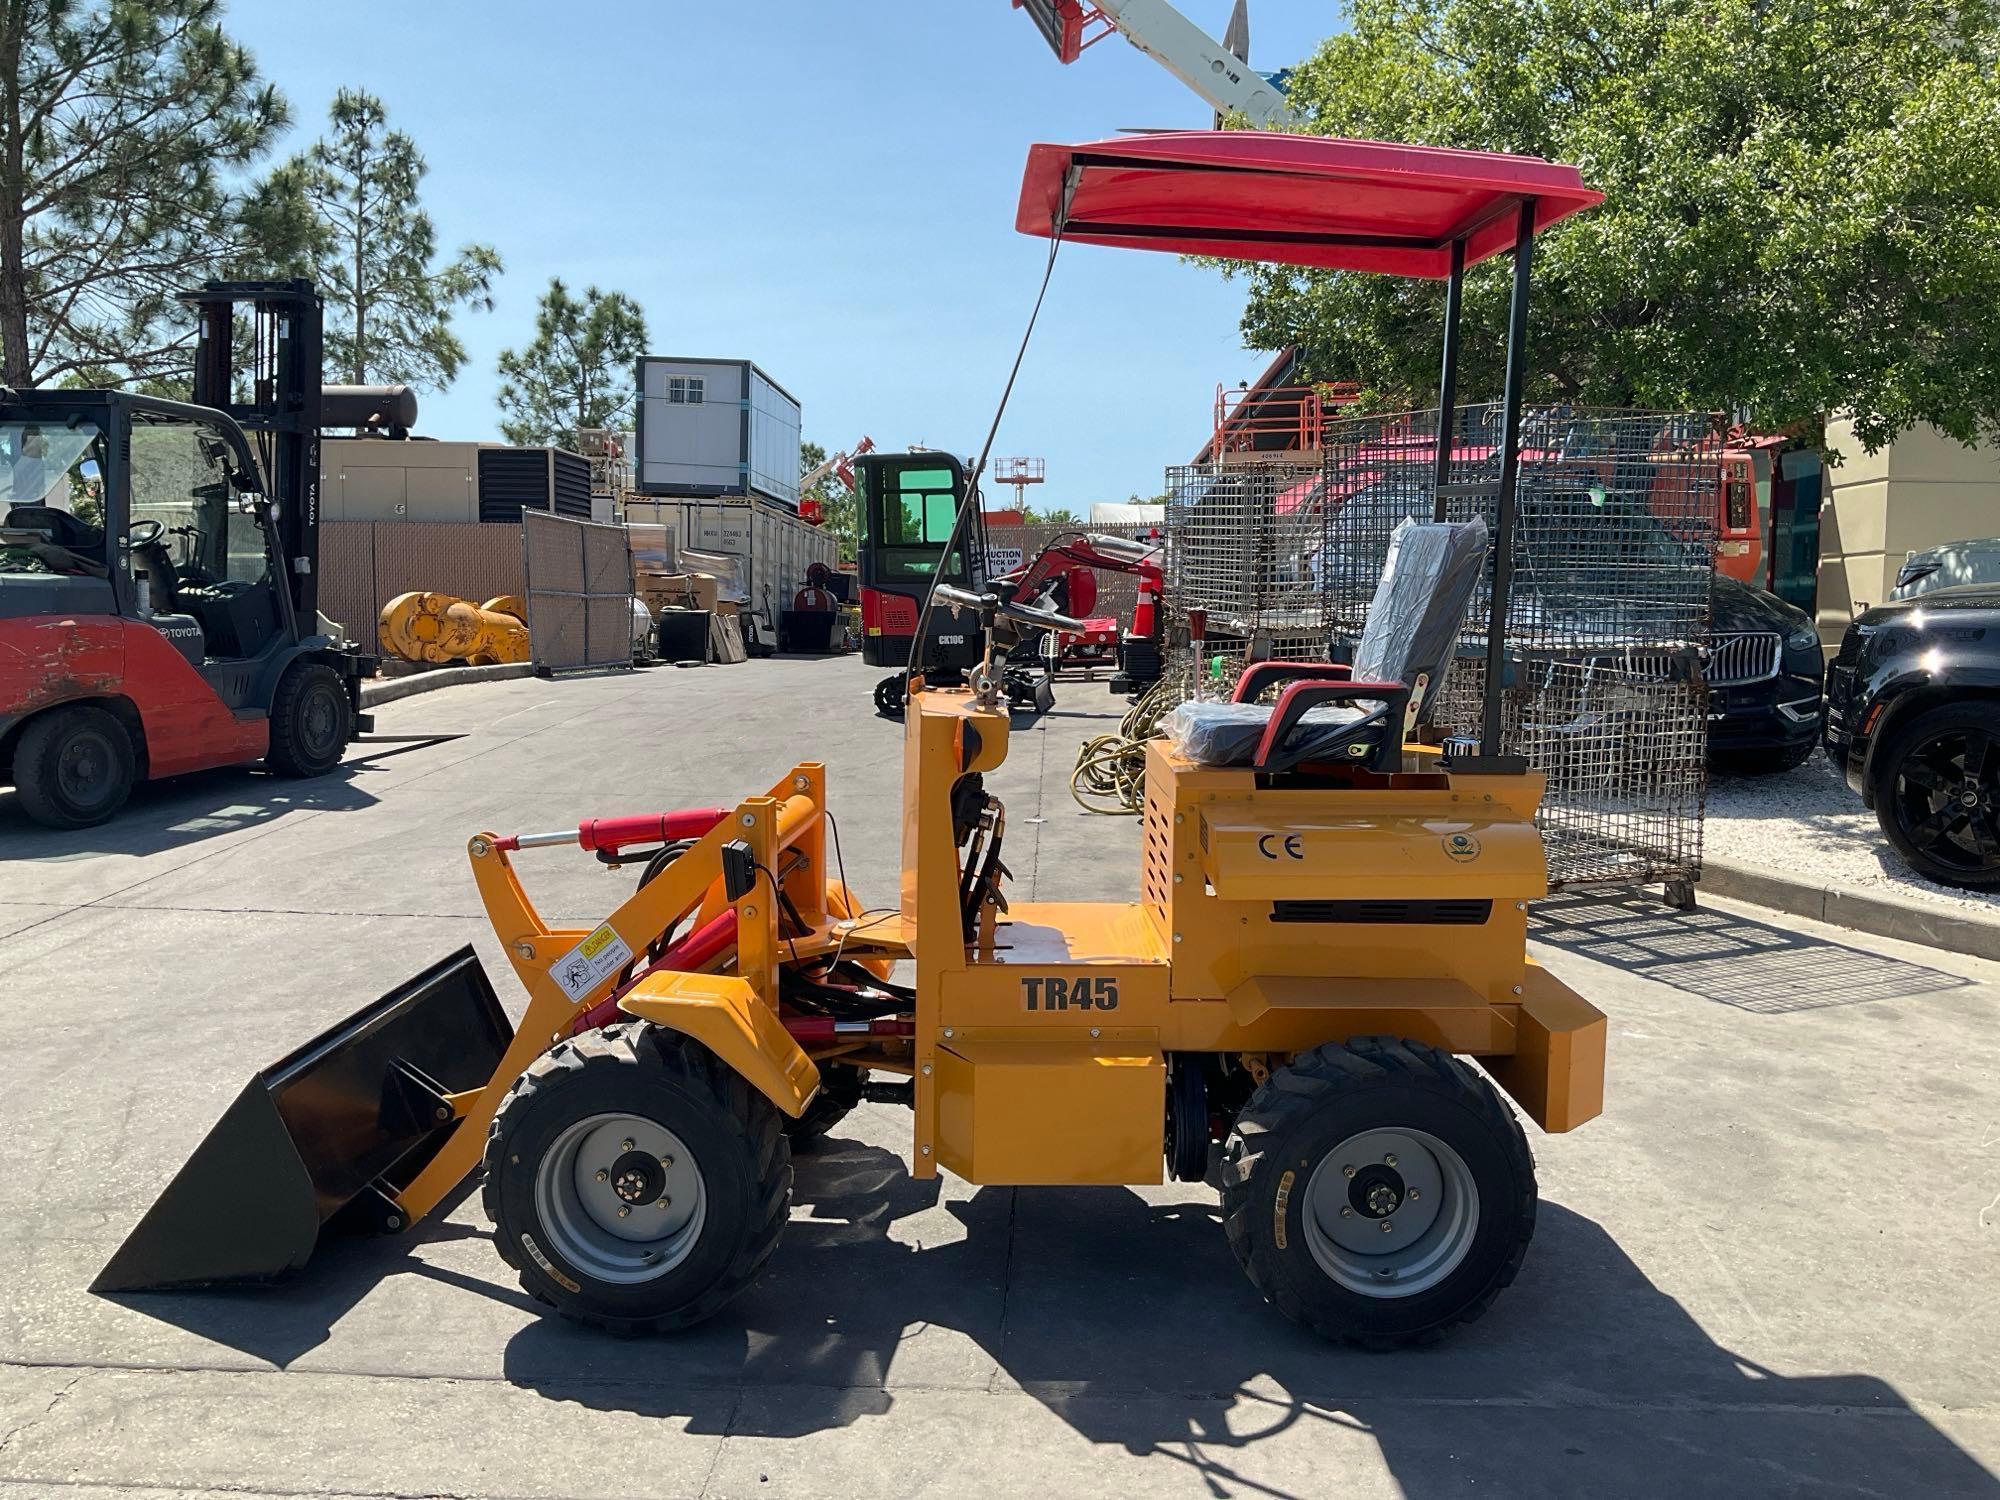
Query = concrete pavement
x=1770 y=1268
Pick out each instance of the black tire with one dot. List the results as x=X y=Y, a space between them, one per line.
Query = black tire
x=731 y=1132
x=1332 y=1095
x=891 y=694
x=839 y=1092
x=1766 y=761
x=1921 y=776
x=312 y=719
x=73 y=767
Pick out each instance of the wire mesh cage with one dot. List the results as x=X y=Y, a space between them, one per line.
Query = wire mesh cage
x=1608 y=609
x=1608 y=604
x=1245 y=545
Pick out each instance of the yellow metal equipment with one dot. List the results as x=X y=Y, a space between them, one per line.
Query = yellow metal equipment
x=425 y=627
x=1310 y=1004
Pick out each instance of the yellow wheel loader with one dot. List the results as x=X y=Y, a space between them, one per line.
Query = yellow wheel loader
x=1321 y=1001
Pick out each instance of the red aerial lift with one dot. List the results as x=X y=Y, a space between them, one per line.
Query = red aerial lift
x=158 y=584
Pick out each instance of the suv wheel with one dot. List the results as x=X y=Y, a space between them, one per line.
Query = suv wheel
x=1937 y=794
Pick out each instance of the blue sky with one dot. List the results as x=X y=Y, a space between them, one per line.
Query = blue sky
x=824 y=186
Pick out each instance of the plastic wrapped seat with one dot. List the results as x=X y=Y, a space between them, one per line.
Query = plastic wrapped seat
x=1420 y=602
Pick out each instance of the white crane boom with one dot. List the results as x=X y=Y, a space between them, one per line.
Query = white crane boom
x=1218 y=71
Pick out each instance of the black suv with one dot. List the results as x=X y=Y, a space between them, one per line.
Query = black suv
x=1764 y=672
x=1913 y=717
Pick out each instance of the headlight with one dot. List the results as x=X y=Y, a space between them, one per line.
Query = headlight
x=1805 y=638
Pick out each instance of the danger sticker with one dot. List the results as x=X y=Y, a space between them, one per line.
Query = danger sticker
x=590 y=962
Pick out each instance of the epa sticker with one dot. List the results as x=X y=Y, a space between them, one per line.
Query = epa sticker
x=590 y=962
x=1462 y=847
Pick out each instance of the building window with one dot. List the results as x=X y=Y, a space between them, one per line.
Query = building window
x=686 y=390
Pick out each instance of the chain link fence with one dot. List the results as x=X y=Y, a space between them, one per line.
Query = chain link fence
x=579 y=589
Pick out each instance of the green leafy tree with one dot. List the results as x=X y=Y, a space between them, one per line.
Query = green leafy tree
x=1055 y=515
x=578 y=371
x=127 y=130
x=389 y=301
x=1800 y=215
x=839 y=503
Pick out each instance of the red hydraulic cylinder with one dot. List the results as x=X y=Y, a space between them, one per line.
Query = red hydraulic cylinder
x=705 y=944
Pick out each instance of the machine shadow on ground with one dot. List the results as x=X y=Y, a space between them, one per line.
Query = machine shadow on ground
x=181 y=810
x=1730 y=959
x=1130 y=1322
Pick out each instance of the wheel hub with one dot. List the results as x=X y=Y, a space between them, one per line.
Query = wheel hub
x=638 y=1178
x=621 y=1197
x=1390 y=1212
x=1377 y=1191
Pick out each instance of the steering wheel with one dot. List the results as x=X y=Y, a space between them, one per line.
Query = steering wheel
x=145 y=533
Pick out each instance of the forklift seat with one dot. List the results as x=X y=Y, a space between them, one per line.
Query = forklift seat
x=1427 y=582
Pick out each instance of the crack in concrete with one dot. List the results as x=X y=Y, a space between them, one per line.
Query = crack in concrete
x=7 y=1438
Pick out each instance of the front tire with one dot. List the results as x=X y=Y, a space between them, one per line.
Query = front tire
x=73 y=767
x=311 y=721
x=1937 y=794
x=1347 y=1139
x=639 y=1119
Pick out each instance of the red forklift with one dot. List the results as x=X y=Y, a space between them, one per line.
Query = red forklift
x=158 y=584
x=909 y=503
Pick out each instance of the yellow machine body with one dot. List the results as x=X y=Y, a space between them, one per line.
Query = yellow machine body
x=427 y=627
x=1271 y=919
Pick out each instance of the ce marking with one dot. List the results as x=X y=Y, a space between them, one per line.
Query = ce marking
x=1293 y=846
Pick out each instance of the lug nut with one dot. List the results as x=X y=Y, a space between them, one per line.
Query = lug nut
x=667 y=1163
x=1347 y=1171
x=1389 y=1160
x=624 y=1211
x=1347 y=1213
x=1388 y=1225
x=665 y=1202
x=603 y=1175
x=1413 y=1195
x=626 y=1144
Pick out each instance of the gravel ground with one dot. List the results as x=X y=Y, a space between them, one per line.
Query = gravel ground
x=1808 y=825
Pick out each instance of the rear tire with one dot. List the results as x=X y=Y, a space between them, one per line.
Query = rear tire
x=73 y=767
x=707 y=1189
x=311 y=721
x=1308 y=1233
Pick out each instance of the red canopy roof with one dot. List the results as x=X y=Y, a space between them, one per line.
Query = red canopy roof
x=1303 y=200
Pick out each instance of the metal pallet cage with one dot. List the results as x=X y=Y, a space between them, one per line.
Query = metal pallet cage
x=1245 y=542
x=1608 y=606
x=1607 y=614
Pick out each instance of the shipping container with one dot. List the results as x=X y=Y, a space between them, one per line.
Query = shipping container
x=770 y=547
x=384 y=479
x=712 y=428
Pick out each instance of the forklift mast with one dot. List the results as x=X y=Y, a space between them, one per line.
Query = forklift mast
x=283 y=409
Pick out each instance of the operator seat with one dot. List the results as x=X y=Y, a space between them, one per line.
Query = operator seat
x=1330 y=713
x=82 y=543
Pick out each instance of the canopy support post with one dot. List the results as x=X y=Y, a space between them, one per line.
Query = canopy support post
x=1454 y=294
x=1510 y=477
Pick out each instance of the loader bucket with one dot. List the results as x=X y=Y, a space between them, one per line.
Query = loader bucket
x=356 y=1111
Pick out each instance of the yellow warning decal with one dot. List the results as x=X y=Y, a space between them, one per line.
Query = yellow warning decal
x=600 y=955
